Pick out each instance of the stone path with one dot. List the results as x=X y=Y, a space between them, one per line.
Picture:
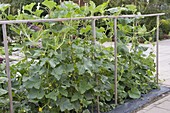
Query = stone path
x=164 y=62
x=162 y=105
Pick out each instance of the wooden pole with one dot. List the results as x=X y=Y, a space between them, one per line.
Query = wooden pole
x=157 y=50
x=115 y=54
x=94 y=41
x=77 y=18
x=7 y=66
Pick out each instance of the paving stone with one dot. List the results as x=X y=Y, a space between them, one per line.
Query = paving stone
x=153 y=105
x=164 y=61
x=164 y=105
x=157 y=110
x=167 y=98
x=149 y=107
x=164 y=57
x=142 y=111
x=166 y=82
x=159 y=102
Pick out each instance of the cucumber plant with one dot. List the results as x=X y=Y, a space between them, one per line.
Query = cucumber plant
x=61 y=63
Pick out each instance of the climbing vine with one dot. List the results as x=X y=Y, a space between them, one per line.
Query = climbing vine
x=60 y=63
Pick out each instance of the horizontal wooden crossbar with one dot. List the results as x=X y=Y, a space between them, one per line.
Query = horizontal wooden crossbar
x=78 y=18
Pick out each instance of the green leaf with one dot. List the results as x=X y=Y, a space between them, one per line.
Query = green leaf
x=52 y=95
x=113 y=10
x=87 y=63
x=86 y=102
x=76 y=96
x=77 y=106
x=34 y=93
x=122 y=48
x=43 y=61
x=117 y=10
x=85 y=30
x=38 y=12
x=42 y=71
x=134 y=93
x=63 y=92
x=84 y=86
x=11 y=17
x=142 y=30
x=69 y=5
x=49 y=4
x=131 y=8
x=2 y=92
x=81 y=69
x=92 y=7
x=65 y=104
x=125 y=21
x=34 y=81
x=104 y=79
x=101 y=8
x=57 y=72
x=3 y=79
x=52 y=63
x=29 y=7
x=136 y=76
x=4 y=101
x=4 y=7
x=69 y=68
x=86 y=111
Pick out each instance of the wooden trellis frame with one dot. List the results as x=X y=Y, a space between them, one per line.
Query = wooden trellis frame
x=93 y=18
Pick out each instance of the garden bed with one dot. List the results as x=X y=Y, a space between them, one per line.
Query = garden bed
x=135 y=105
x=70 y=72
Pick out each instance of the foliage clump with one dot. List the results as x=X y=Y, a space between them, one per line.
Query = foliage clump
x=62 y=70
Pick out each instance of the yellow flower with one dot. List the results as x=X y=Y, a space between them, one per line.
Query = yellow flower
x=69 y=42
x=50 y=85
x=40 y=109
x=50 y=107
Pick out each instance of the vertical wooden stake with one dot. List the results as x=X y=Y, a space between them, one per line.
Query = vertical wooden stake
x=7 y=66
x=79 y=2
x=94 y=30
x=94 y=41
x=157 y=50
x=115 y=54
